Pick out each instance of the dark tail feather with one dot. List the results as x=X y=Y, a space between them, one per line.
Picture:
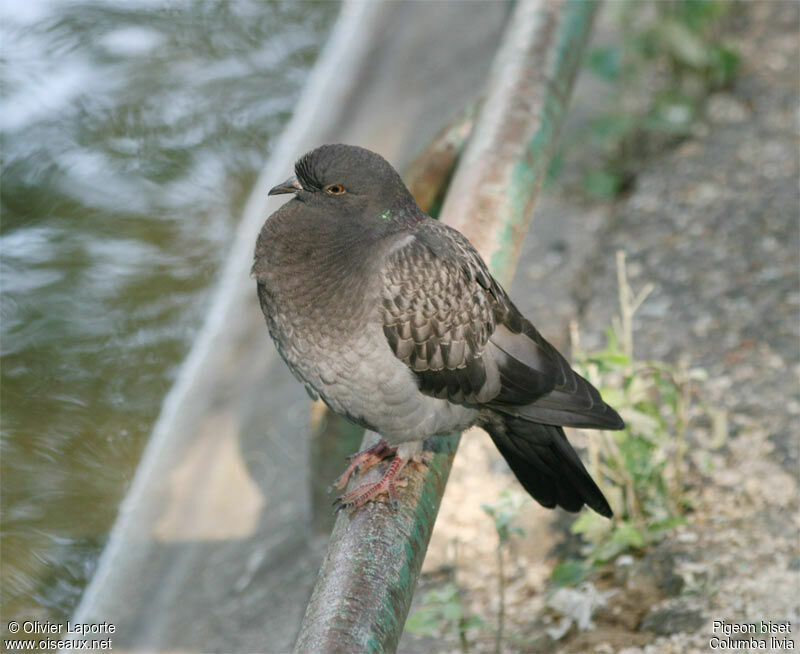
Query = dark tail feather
x=545 y=464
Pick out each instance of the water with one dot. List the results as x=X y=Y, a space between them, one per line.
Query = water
x=131 y=134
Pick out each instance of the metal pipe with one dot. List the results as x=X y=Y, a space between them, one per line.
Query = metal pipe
x=367 y=580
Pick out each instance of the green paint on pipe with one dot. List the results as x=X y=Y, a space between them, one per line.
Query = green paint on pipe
x=395 y=603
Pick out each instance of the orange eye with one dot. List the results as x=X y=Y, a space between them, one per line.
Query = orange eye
x=334 y=189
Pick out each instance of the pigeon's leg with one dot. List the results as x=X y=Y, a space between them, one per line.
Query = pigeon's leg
x=363 y=494
x=365 y=459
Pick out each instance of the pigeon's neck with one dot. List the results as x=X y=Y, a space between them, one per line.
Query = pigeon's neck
x=398 y=218
x=311 y=262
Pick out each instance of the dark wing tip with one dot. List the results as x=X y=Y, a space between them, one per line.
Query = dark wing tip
x=612 y=419
x=602 y=507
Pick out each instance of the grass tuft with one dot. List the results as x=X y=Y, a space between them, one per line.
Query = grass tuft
x=641 y=469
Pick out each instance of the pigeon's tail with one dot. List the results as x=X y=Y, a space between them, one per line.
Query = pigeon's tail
x=545 y=463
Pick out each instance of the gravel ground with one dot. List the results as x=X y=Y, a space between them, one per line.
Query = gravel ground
x=713 y=224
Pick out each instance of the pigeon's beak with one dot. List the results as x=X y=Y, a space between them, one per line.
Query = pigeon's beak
x=291 y=185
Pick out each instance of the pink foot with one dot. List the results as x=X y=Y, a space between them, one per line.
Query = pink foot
x=365 y=460
x=363 y=494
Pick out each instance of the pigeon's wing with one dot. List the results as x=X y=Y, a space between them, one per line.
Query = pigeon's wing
x=441 y=307
x=437 y=318
x=448 y=319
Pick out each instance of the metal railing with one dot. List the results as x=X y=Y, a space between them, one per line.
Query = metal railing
x=367 y=579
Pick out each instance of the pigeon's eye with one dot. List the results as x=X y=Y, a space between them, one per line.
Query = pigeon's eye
x=334 y=189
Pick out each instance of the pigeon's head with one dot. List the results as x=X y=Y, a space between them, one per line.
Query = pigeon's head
x=345 y=179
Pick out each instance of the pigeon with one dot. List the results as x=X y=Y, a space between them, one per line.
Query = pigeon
x=394 y=320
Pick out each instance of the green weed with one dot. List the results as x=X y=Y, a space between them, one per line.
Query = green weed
x=442 y=614
x=641 y=469
x=503 y=513
x=668 y=58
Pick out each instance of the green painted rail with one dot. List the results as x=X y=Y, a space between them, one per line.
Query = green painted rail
x=367 y=579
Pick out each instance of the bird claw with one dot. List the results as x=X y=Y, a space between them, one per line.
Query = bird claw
x=368 y=492
x=364 y=460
